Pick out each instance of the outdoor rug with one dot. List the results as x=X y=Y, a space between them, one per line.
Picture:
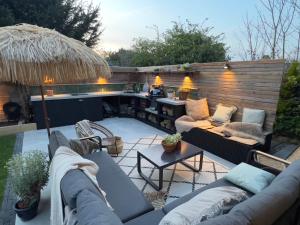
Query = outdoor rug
x=178 y=180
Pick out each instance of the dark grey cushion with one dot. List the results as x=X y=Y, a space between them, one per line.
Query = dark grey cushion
x=218 y=183
x=125 y=198
x=73 y=183
x=91 y=210
x=150 y=218
x=56 y=140
x=268 y=205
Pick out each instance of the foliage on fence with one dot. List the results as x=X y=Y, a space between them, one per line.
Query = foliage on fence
x=288 y=111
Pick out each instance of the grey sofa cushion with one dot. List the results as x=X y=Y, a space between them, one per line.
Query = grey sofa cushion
x=91 y=210
x=73 y=183
x=218 y=183
x=267 y=206
x=150 y=218
x=56 y=140
x=124 y=197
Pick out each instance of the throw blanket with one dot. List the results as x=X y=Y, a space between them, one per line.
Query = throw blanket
x=64 y=160
x=186 y=123
x=245 y=130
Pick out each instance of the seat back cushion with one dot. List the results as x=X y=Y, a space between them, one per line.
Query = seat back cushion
x=256 y=116
x=92 y=210
x=73 y=183
x=267 y=206
x=223 y=113
x=197 y=109
x=56 y=140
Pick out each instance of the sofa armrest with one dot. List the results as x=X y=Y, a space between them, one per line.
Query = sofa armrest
x=267 y=162
x=93 y=137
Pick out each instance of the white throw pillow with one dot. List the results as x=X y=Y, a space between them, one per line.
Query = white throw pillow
x=223 y=113
x=253 y=116
x=205 y=205
x=197 y=109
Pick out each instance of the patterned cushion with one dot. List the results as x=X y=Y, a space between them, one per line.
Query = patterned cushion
x=207 y=204
x=223 y=113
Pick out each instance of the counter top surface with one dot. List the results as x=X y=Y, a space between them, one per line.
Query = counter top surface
x=105 y=94
x=88 y=95
x=171 y=101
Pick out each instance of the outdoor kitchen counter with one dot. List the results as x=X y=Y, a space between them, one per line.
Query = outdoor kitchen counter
x=89 y=95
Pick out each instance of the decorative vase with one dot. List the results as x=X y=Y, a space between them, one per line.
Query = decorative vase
x=146 y=86
x=49 y=92
x=183 y=95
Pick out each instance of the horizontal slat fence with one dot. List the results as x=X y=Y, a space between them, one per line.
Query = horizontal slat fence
x=254 y=84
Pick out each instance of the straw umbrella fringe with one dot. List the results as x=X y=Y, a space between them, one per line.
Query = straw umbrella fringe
x=29 y=54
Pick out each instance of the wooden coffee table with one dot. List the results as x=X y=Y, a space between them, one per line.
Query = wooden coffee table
x=160 y=159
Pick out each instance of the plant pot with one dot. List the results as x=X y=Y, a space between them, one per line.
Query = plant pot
x=183 y=95
x=170 y=147
x=27 y=213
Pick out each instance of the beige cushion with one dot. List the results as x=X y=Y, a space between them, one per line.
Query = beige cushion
x=253 y=116
x=223 y=113
x=197 y=109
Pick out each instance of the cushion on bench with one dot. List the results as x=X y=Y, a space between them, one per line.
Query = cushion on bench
x=121 y=193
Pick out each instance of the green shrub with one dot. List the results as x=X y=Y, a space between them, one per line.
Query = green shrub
x=288 y=110
x=29 y=174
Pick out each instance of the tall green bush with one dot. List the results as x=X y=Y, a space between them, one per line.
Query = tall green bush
x=288 y=111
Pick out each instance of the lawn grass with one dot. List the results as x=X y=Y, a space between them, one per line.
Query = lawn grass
x=6 y=150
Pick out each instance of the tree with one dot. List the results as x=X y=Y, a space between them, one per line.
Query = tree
x=275 y=30
x=184 y=42
x=288 y=111
x=122 y=57
x=69 y=17
x=253 y=47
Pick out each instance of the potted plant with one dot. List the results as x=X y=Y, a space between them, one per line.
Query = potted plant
x=29 y=174
x=185 y=68
x=171 y=142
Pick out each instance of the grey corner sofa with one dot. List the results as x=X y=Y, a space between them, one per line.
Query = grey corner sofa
x=278 y=204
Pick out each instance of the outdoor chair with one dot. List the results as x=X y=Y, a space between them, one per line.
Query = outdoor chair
x=113 y=144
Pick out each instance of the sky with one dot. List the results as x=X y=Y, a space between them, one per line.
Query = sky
x=124 y=20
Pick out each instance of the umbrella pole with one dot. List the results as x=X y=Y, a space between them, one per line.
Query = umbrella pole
x=45 y=110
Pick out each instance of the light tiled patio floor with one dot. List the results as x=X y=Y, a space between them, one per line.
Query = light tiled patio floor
x=178 y=180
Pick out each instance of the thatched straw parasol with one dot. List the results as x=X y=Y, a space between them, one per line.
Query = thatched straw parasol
x=30 y=54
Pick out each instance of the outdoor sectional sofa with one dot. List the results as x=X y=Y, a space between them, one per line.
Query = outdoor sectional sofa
x=278 y=204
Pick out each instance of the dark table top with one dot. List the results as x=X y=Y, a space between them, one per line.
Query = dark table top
x=160 y=158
